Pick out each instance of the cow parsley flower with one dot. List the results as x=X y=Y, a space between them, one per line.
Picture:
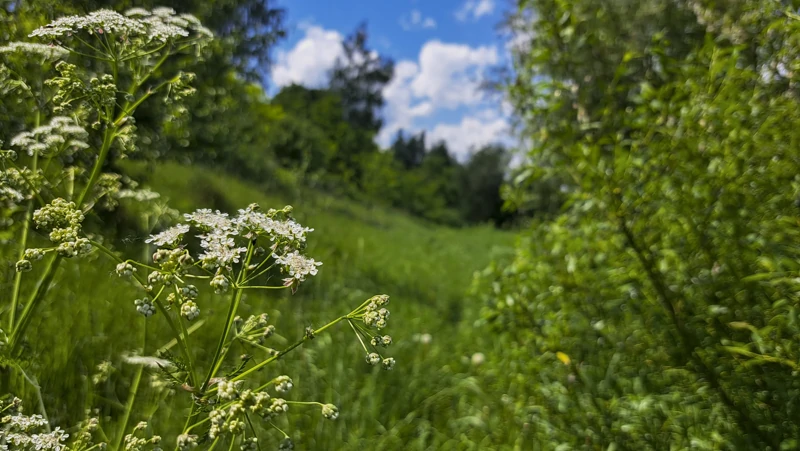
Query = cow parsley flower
x=47 y=52
x=170 y=237
x=207 y=220
x=298 y=266
x=61 y=135
x=101 y=21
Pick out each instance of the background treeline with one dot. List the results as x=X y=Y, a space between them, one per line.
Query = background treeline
x=302 y=137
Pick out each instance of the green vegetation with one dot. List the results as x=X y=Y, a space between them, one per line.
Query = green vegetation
x=648 y=301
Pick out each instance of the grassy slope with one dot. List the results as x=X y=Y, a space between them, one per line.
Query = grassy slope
x=427 y=402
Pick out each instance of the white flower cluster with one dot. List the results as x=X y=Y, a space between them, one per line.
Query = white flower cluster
x=283 y=384
x=140 y=195
x=161 y=25
x=165 y=23
x=222 y=246
x=39 y=442
x=298 y=265
x=20 y=430
x=48 y=52
x=251 y=221
x=61 y=135
x=170 y=237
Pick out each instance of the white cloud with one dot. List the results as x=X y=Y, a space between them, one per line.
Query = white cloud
x=485 y=127
x=475 y=9
x=450 y=73
x=310 y=59
x=415 y=20
x=445 y=77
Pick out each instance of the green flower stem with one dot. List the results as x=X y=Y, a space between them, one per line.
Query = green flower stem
x=216 y=362
x=36 y=297
x=131 y=396
x=287 y=350
x=178 y=337
x=23 y=243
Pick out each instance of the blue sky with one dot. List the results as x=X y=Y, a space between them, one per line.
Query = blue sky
x=441 y=48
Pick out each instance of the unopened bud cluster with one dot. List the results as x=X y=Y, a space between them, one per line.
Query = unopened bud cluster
x=63 y=219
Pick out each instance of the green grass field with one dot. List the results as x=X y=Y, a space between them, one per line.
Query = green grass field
x=433 y=399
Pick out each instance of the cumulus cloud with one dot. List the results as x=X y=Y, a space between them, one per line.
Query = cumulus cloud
x=310 y=59
x=415 y=21
x=450 y=73
x=472 y=132
x=474 y=9
x=445 y=77
x=443 y=82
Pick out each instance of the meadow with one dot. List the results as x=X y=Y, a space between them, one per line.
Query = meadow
x=426 y=269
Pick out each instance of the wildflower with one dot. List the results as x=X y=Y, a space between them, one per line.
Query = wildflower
x=388 y=364
x=170 y=237
x=186 y=442
x=47 y=52
x=259 y=403
x=24 y=423
x=283 y=384
x=330 y=411
x=24 y=265
x=145 y=307
x=220 y=283
x=228 y=390
x=189 y=310
x=278 y=406
x=298 y=265
x=54 y=440
x=478 y=358
x=373 y=358
x=207 y=220
x=220 y=249
x=141 y=195
x=125 y=269
x=217 y=419
x=61 y=135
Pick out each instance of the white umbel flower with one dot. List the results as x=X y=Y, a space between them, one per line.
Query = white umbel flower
x=170 y=237
x=298 y=265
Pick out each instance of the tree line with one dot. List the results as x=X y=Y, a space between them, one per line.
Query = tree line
x=302 y=136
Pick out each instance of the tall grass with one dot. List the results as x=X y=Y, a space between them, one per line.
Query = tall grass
x=434 y=399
